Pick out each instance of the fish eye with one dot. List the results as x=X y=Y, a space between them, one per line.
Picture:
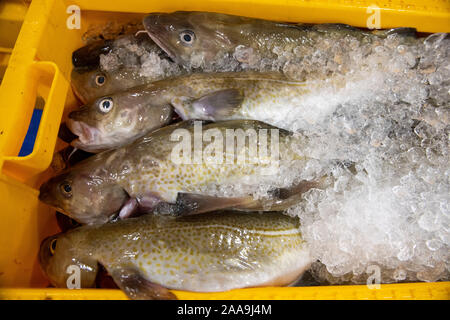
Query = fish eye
x=105 y=105
x=53 y=246
x=66 y=189
x=100 y=80
x=187 y=37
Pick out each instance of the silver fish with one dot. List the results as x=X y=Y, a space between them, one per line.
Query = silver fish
x=115 y=120
x=171 y=169
x=148 y=255
x=206 y=39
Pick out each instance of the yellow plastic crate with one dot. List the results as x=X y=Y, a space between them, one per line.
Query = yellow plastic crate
x=40 y=66
x=12 y=14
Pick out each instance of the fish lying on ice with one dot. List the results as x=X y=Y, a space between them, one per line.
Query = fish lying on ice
x=150 y=254
x=206 y=39
x=169 y=169
x=117 y=119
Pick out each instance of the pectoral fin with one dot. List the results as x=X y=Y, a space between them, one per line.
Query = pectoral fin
x=129 y=208
x=136 y=287
x=189 y=204
x=219 y=105
x=279 y=199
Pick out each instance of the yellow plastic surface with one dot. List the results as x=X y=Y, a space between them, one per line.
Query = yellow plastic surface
x=40 y=65
x=416 y=291
x=12 y=14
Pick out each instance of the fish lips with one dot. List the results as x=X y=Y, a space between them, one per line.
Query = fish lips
x=157 y=31
x=87 y=135
x=45 y=193
x=46 y=196
x=78 y=95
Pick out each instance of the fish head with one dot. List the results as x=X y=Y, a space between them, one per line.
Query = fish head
x=115 y=120
x=89 y=55
x=60 y=259
x=192 y=38
x=86 y=195
x=91 y=83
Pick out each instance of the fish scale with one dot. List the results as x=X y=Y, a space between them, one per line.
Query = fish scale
x=144 y=175
x=169 y=178
x=213 y=252
x=257 y=44
x=244 y=95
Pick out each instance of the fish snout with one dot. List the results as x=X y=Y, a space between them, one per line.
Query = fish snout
x=78 y=92
x=159 y=28
x=45 y=193
x=78 y=114
x=153 y=20
x=89 y=55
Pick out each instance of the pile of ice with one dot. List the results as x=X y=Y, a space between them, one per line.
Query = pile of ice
x=139 y=55
x=384 y=145
x=391 y=209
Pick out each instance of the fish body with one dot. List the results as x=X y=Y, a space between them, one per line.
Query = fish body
x=171 y=168
x=205 y=253
x=204 y=39
x=267 y=97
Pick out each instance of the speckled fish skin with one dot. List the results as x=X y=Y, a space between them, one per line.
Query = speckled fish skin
x=144 y=171
x=216 y=37
x=147 y=166
x=244 y=95
x=206 y=253
x=237 y=95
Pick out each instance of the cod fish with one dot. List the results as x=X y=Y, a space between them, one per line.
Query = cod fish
x=150 y=254
x=114 y=120
x=108 y=66
x=205 y=39
x=174 y=169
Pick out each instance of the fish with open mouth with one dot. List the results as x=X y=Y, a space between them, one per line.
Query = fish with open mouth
x=115 y=120
x=206 y=39
x=174 y=169
x=148 y=255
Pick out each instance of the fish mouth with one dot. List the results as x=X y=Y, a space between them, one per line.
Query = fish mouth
x=44 y=252
x=45 y=196
x=155 y=31
x=86 y=134
x=44 y=193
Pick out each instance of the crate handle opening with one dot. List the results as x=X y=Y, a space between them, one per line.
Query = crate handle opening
x=26 y=167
